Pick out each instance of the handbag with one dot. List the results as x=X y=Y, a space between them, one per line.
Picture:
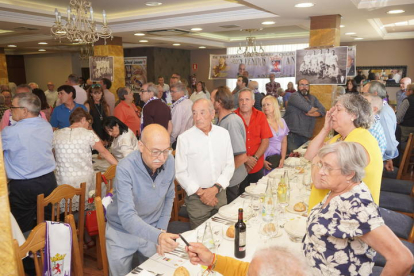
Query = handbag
x=274 y=160
x=91 y=223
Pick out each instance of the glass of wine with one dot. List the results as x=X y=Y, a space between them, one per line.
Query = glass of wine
x=256 y=204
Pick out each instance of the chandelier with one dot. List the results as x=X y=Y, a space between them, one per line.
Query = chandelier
x=80 y=26
x=251 y=48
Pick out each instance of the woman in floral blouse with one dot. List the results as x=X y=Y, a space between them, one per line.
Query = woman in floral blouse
x=345 y=230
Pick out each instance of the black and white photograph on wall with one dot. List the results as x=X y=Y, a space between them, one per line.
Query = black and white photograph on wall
x=101 y=67
x=322 y=65
x=351 y=62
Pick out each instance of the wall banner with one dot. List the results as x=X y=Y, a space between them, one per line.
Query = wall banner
x=135 y=71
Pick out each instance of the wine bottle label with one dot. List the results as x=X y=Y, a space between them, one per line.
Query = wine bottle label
x=242 y=241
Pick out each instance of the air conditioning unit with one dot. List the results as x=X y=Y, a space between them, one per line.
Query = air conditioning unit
x=170 y=32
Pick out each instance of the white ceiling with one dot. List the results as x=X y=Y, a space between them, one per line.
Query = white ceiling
x=31 y=20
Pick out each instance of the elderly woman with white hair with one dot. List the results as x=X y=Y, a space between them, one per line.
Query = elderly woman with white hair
x=345 y=230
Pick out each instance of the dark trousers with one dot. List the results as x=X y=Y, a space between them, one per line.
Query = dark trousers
x=23 y=198
x=232 y=193
x=295 y=141
x=250 y=178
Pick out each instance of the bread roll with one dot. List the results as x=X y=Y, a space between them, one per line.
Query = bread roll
x=269 y=228
x=181 y=271
x=230 y=232
x=299 y=207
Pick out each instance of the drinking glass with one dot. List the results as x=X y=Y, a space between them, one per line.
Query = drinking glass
x=256 y=204
x=269 y=230
x=217 y=235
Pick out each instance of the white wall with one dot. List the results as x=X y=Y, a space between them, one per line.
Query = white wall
x=56 y=68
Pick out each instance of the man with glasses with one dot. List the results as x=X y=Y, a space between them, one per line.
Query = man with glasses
x=204 y=164
x=61 y=114
x=182 y=118
x=142 y=203
x=301 y=114
x=28 y=159
x=154 y=110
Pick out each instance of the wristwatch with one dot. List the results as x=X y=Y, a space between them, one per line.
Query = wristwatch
x=219 y=188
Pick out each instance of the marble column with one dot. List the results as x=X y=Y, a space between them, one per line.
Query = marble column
x=4 y=77
x=113 y=48
x=324 y=31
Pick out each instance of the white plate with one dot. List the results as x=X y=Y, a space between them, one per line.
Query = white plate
x=231 y=211
x=291 y=210
x=228 y=238
x=296 y=228
x=256 y=190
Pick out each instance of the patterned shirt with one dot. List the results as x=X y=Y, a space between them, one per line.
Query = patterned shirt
x=271 y=88
x=333 y=244
x=378 y=132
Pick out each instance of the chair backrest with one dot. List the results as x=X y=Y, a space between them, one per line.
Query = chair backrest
x=109 y=176
x=35 y=244
x=66 y=193
x=405 y=160
x=178 y=200
x=101 y=234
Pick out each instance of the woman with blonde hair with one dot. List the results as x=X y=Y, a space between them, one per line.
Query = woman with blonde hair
x=276 y=152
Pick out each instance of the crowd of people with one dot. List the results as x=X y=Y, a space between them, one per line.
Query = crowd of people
x=223 y=141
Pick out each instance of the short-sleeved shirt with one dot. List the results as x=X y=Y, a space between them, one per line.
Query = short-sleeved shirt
x=61 y=114
x=157 y=112
x=257 y=130
x=333 y=244
x=235 y=127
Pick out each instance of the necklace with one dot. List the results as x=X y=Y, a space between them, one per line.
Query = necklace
x=100 y=112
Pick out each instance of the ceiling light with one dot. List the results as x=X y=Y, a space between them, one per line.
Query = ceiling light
x=196 y=29
x=358 y=38
x=341 y=26
x=202 y=47
x=351 y=33
x=403 y=23
x=42 y=50
x=176 y=44
x=153 y=4
x=268 y=22
x=395 y=11
x=143 y=40
x=139 y=34
x=42 y=43
x=12 y=46
x=304 y=5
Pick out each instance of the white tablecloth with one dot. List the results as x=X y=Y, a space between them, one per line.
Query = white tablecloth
x=167 y=264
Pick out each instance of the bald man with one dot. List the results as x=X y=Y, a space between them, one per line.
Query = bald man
x=404 y=82
x=51 y=94
x=142 y=203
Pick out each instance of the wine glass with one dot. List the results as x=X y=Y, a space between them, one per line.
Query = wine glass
x=256 y=204
x=248 y=211
x=269 y=230
x=283 y=197
x=217 y=235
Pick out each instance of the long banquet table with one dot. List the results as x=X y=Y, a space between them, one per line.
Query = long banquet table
x=166 y=265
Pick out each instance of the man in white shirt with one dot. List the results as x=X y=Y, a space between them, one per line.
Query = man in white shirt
x=81 y=96
x=51 y=94
x=165 y=87
x=204 y=164
x=109 y=96
x=181 y=115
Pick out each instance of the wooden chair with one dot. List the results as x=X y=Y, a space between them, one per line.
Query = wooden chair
x=403 y=171
x=179 y=210
x=101 y=240
x=109 y=176
x=66 y=193
x=35 y=244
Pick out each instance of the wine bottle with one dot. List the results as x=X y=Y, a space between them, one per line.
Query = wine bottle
x=240 y=237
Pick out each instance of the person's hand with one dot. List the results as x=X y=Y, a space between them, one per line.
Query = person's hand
x=199 y=254
x=312 y=110
x=389 y=166
x=248 y=169
x=166 y=243
x=209 y=196
x=328 y=120
x=281 y=163
x=267 y=165
x=251 y=162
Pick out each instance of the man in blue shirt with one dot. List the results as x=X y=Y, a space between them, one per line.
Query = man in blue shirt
x=28 y=159
x=60 y=115
x=142 y=203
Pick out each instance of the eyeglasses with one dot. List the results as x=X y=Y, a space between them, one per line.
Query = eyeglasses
x=326 y=169
x=156 y=153
x=17 y=107
x=96 y=85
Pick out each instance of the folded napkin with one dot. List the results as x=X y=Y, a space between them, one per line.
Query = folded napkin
x=58 y=249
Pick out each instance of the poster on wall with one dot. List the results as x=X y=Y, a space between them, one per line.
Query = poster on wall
x=135 y=71
x=282 y=64
x=322 y=65
x=351 y=62
x=101 y=67
x=389 y=75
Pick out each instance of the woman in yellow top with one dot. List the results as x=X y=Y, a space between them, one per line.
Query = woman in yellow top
x=351 y=117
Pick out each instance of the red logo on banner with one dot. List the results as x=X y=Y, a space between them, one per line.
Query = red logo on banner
x=195 y=66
